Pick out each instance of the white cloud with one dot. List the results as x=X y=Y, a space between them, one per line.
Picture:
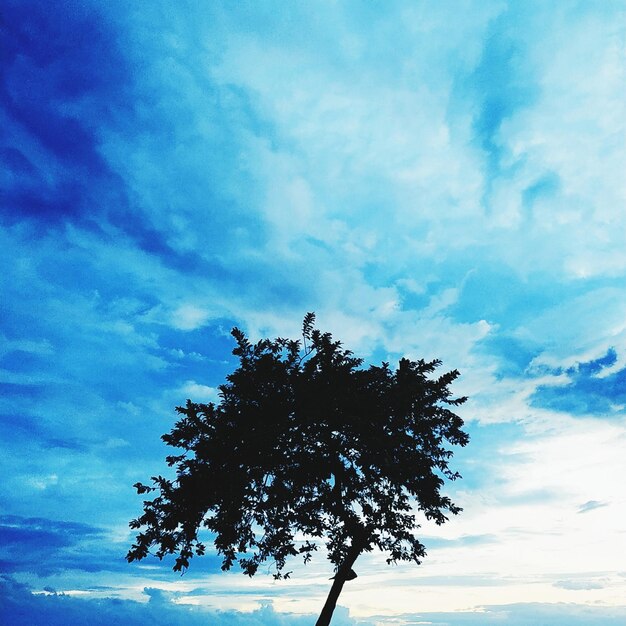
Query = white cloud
x=198 y=393
x=189 y=317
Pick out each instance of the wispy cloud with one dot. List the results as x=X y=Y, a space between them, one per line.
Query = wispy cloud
x=585 y=390
x=590 y=505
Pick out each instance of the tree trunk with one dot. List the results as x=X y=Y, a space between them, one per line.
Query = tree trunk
x=337 y=586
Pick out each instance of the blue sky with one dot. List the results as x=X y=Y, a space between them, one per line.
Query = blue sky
x=438 y=180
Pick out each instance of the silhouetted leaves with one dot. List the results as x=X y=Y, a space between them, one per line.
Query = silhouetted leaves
x=304 y=442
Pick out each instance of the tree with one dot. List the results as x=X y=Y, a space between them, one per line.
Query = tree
x=305 y=440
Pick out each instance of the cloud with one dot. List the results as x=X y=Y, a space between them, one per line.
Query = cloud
x=66 y=552
x=590 y=505
x=199 y=393
x=522 y=614
x=580 y=585
x=44 y=546
x=21 y=607
x=502 y=84
x=586 y=390
x=439 y=543
x=189 y=317
x=64 y=75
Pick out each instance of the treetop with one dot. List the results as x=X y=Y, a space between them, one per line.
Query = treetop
x=306 y=446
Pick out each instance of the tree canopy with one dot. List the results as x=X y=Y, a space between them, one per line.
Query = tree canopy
x=306 y=442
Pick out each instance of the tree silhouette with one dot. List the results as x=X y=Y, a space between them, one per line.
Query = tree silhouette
x=305 y=441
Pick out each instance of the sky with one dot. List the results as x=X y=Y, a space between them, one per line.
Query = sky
x=433 y=179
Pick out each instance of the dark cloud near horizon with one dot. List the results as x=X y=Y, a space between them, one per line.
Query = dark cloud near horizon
x=43 y=546
x=21 y=607
x=46 y=547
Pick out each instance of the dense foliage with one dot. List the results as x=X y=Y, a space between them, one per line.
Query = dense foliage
x=306 y=442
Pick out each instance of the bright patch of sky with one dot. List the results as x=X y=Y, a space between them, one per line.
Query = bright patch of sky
x=438 y=180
